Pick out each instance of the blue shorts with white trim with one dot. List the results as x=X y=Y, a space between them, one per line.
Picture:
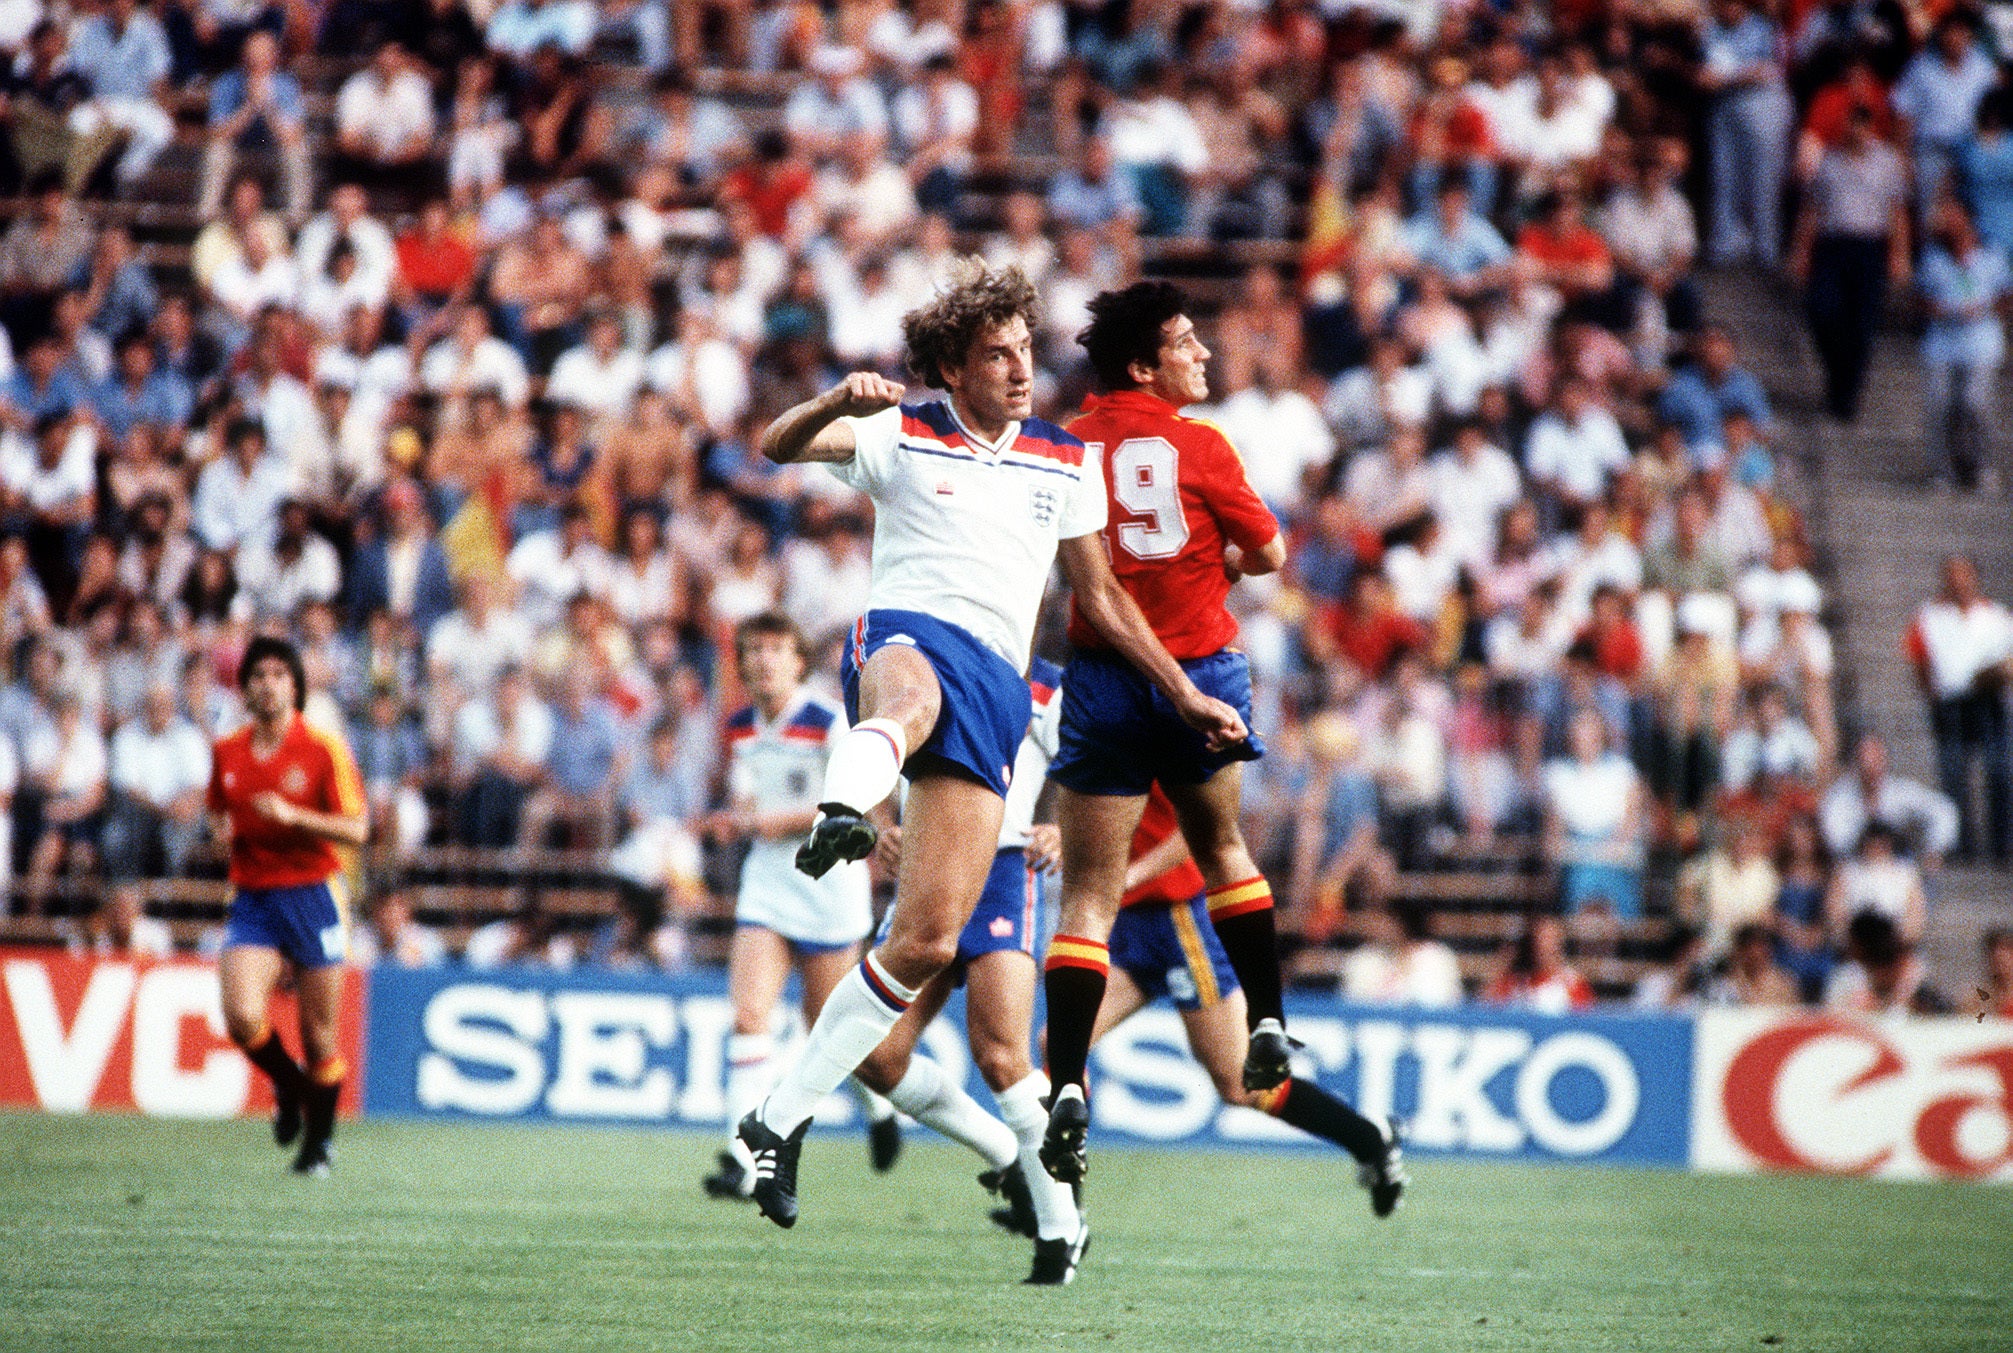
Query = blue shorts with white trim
x=1005 y=918
x=304 y=923
x=986 y=705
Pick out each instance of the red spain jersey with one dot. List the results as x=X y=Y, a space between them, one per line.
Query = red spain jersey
x=1173 y=886
x=1177 y=493
x=312 y=769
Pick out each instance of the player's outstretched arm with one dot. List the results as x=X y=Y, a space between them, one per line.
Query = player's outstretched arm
x=1109 y=610
x=811 y=431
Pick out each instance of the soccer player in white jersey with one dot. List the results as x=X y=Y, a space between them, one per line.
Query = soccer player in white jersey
x=777 y=746
x=975 y=501
x=996 y=965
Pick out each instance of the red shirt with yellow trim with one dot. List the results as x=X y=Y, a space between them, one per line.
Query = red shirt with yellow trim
x=311 y=769
x=1172 y=887
x=1177 y=492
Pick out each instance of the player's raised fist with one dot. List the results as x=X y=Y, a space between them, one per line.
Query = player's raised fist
x=866 y=392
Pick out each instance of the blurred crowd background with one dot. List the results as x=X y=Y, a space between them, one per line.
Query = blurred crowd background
x=437 y=334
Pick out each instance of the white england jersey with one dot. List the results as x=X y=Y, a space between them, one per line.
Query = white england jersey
x=778 y=766
x=1037 y=749
x=965 y=531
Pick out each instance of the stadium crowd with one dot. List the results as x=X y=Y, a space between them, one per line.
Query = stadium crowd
x=462 y=383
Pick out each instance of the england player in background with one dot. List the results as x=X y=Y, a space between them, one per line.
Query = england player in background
x=1184 y=523
x=996 y=965
x=975 y=501
x=777 y=746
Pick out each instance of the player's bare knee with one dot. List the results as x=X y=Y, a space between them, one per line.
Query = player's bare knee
x=1001 y=1065
x=245 y=1027
x=915 y=958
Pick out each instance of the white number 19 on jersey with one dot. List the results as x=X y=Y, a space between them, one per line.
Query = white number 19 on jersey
x=1146 y=480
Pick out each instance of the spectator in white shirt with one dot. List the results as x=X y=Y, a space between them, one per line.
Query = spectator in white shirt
x=935 y=119
x=1961 y=645
x=1365 y=403
x=348 y=220
x=64 y=768
x=1277 y=429
x=160 y=768
x=238 y=495
x=123 y=54
x=1390 y=486
x=1474 y=483
x=704 y=376
x=261 y=274
x=470 y=359
x=861 y=185
x=550 y=568
x=1924 y=820
x=822 y=112
x=384 y=116
x=1156 y=140
x=295 y=566
x=1400 y=963
x=1575 y=447
x=469 y=646
x=599 y=377
x=500 y=745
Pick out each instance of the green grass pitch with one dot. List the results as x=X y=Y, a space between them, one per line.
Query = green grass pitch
x=118 y=1233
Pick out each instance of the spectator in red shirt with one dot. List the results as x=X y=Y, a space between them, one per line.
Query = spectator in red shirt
x=1569 y=256
x=1368 y=632
x=435 y=265
x=1824 y=125
x=772 y=183
x=1536 y=974
x=1611 y=633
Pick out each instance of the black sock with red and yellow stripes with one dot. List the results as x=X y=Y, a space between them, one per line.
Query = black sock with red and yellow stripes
x=1074 y=983
x=1307 y=1106
x=1242 y=915
x=270 y=1055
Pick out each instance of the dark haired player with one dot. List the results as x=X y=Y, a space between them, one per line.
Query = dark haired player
x=974 y=500
x=289 y=794
x=1183 y=524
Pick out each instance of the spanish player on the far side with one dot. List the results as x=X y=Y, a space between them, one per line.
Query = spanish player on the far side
x=288 y=794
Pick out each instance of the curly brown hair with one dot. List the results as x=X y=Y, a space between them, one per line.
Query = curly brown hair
x=940 y=335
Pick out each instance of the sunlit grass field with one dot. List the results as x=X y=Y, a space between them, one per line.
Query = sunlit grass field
x=121 y=1233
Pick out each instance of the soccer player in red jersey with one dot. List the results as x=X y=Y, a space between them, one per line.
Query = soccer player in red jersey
x=289 y=795
x=1163 y=945
x=1184 y=523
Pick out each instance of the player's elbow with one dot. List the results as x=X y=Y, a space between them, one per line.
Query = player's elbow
x=773 y=448
x=1268 y=558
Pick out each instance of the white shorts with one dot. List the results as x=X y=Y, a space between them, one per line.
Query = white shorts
x=835 y=910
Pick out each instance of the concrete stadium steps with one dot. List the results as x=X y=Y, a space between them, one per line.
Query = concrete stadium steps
x=1880 y=532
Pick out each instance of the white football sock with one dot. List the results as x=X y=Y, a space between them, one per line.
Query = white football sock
x=1054 y=1204
x=927 y=1095
x=864 y=767
x=750 y=1068
x=873 y=1107
x=855 y=1019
